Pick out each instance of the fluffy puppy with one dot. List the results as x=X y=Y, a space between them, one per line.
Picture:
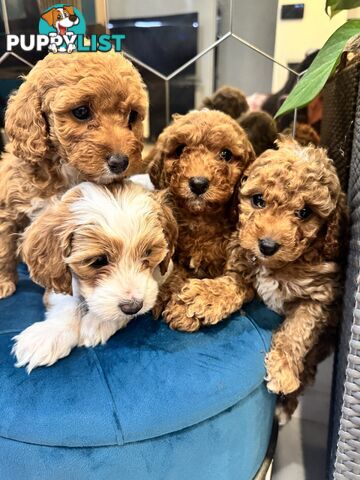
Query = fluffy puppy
x=287 y=249
x=230 y=100
x=76 y=117
x=200 y=158
x=104 y=252
x=261 y=130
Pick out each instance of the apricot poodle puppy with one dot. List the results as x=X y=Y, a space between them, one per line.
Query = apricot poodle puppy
x=199 y=158
x=287 y=249
x=76 y=117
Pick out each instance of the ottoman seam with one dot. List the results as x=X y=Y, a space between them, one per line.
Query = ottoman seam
x=255 y=325
x=100 y=370
x=6 y=332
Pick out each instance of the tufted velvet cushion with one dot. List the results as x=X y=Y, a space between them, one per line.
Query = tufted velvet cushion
x=150 y=404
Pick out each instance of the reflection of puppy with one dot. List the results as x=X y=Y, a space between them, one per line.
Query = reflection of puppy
x=74 y=118
x=261 y=130
x=287 y=249
x=200 y=158
x=230 y=100
x=305 y=134
x=108 y=247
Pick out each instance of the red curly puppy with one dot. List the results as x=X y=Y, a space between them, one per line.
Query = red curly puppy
x=75 y=117
x=200 y=158
x=287 y=248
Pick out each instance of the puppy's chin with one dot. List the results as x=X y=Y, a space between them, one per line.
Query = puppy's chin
x=200 y=205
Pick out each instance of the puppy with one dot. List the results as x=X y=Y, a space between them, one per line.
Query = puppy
x=305 y=134
x=287 y=248
x=200 y=158
x=230 y=100
x=261 y=130
x=104 y=251
x=76 y=117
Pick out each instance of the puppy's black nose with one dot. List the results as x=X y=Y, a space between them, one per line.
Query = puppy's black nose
x=198 y=185
x=131 y=307
x=117 y=162
x=268 y=247
x=73 y=18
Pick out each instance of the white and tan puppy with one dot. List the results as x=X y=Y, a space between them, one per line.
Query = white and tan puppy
x=102 y=253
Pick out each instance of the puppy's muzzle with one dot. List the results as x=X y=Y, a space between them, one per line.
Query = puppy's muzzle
x=131 y=307
x=268 y=246
x=117 y=162
x=73 y=18
x=198 y=185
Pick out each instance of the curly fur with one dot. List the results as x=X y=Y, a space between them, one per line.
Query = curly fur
x=261 y=130
x=96 y=263
x=302 y=280
x=230 y=100
x=50 y=150
x=305 y=134
x=205 y=221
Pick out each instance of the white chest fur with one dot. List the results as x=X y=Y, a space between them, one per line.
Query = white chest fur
x=269 y=290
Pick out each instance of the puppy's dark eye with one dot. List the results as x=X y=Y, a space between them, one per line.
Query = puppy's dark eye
x=100 y=261
x=82 y=113
x=257 y=201
x=179 y=150
x=148 y=252
x=133 y=116
x=226 y=154
x=304 y=213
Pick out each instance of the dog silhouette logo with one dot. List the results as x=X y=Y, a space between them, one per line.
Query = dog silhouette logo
x=62 y=23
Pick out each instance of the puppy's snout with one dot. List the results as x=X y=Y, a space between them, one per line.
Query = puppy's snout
x=131 y=307
x=198 y=185
x=73 y=18
x=117 y=162
x=268 y=246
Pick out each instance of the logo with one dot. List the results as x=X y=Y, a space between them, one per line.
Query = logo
x=62 y=28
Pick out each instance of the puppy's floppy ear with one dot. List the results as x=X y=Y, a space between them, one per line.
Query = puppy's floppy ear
x=49 y=16
x=336 y=230
x=45 y=244
x=155 y=170
x=25 y=123
x=69 y=9
x=169 y=226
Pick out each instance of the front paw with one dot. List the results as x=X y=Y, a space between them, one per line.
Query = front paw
x=202 y=301
x=7 y=288
x=93 y=332
x=281 y=375
x=175 y=315
x=71 y=48
x=42 y=344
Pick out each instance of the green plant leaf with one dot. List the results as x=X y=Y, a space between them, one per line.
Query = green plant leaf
x=336 y=6
x=321 y=68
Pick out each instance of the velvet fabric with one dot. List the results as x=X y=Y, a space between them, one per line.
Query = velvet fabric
x=151 y=404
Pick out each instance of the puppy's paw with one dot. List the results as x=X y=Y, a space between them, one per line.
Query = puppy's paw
x=7 y=288
x=175 y=315
x=53 y=48
x=42 y=344
x=281 y=377
x=203 y=301
x=71 y=48
x=93 y=332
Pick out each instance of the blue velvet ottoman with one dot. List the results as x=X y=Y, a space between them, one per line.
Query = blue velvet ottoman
x=152 y=404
